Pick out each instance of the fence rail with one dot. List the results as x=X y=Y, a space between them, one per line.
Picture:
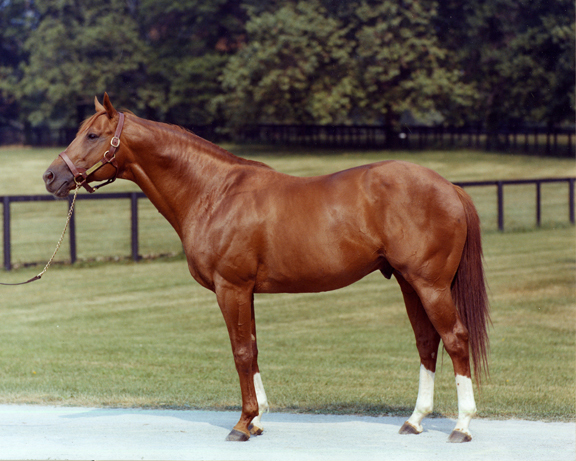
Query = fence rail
x=7 y=200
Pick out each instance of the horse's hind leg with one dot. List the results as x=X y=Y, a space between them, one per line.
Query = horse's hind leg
x=427 y=341
x=442 y=313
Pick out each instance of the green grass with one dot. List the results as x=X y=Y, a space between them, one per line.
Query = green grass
x=145 y=334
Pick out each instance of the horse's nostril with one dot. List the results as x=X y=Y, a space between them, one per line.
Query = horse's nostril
x=48 y=177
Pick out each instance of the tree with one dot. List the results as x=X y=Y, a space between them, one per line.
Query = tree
x=303 y=64
x=294 y=69
x=519 y=54
x=190 y=41
x=317 y=61
x=13 y=18
x=404 y=67
x=75 y=50
x=158 y=57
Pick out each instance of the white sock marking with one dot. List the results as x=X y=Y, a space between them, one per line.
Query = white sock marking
x=262 y=400
x=425 y=400
x=466 y=403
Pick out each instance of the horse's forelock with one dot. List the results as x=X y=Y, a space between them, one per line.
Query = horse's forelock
x=88 y=122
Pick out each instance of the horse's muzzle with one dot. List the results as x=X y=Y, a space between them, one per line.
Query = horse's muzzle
x=59 y=182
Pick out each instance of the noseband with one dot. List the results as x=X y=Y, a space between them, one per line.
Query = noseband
x=109 y=157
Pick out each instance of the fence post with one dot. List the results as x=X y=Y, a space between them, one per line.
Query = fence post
x=500 y=186
x=134 y=226
x=72 y=226
x=7 y=256
x=571 y=199
x=538 y=202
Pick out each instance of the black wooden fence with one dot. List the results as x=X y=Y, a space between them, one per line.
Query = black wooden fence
x=7 y=200
x=538 y=195
x=132 y=196
x=59 y=137
x=555 y=142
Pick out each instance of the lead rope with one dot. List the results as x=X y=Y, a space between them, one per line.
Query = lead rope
x=39 y=276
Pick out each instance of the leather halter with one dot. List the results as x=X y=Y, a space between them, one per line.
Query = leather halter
x=109 y=157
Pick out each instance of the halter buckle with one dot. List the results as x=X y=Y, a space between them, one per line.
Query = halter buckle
x=81 y=181
x=115 y=142
x=109 y=160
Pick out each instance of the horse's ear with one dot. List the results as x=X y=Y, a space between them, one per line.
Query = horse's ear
x=99 y=107
x=108 y=107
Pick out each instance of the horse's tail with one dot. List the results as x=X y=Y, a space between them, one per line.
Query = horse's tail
x=469 y=290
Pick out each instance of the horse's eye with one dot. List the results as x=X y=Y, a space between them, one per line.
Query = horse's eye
x=92 y=135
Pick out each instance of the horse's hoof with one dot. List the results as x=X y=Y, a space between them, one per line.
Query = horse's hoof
x=459 y=437
x=407 y=428
x=237 y=436
x=255 y=430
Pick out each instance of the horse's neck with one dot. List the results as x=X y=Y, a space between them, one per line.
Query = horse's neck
x=178 y=171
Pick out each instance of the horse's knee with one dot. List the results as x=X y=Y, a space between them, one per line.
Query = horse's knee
x=243 y=358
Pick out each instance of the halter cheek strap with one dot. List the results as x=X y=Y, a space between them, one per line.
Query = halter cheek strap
x=109 y=157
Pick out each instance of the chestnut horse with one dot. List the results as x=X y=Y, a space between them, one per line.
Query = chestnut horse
x=247 y=229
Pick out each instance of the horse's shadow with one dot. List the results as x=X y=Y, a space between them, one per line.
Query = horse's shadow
x=223 y=419
x=226 y=419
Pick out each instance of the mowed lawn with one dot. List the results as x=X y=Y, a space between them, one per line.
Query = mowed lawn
x=145 y=334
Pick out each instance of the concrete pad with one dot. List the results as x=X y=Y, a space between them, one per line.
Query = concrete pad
x=41 y=432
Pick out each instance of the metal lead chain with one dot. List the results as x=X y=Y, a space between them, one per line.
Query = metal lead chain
x=39 y=276
x=70 y=211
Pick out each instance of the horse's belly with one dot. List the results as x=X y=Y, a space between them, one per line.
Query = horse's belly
x=309 y=284
x=311 y=276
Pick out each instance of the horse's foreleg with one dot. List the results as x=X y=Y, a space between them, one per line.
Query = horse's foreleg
x=256 y=428
x=237 y=308
x=427 y=341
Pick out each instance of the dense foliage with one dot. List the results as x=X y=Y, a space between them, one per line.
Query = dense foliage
x=309 y=61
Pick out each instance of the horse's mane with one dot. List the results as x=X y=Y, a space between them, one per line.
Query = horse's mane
x=205 y=145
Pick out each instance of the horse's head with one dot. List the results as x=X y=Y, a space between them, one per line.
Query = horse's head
x=91 y=155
